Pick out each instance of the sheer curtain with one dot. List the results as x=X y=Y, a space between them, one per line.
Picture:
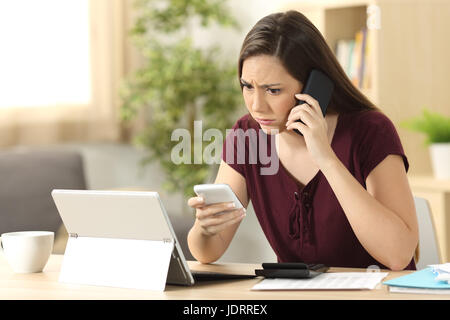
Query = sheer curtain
x=61 y=64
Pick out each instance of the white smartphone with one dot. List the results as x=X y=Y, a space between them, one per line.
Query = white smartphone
x=216 y=193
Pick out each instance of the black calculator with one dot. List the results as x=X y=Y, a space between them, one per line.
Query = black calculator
x=292 y=270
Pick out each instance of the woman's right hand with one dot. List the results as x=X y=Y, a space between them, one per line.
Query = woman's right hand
x=214 y=218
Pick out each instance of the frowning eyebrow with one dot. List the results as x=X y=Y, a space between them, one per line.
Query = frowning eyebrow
x=264 y=86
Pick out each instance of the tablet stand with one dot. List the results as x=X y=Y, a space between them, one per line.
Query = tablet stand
x=125 y=263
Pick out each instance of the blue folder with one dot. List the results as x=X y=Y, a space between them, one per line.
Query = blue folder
x=419 y=279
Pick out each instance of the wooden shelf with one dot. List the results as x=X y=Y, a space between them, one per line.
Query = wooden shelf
x=420 y=182
x=409 y=57
x=341 y=20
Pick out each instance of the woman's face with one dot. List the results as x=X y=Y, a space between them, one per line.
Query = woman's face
x=268 y=91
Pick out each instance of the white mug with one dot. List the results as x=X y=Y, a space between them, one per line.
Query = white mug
x=27 y=251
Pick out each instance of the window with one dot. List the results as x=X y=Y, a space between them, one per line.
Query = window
x=61 y=65
x=45 y=53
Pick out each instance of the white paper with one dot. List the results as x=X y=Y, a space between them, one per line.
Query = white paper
x=325 y=281
x=442 y=271
x=445 y=267
x=137 y=264
x=418 y=290
x=443 y=277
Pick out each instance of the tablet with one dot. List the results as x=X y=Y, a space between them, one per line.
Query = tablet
x=127 y=215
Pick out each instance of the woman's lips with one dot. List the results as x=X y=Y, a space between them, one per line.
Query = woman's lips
x=265 y=121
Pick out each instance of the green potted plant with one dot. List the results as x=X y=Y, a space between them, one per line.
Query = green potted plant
x=179 y=84
x=436 y=127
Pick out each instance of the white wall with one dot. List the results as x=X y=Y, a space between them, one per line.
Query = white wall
x=247 y=13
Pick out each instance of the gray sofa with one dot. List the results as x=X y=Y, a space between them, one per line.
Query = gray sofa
x=27 y=177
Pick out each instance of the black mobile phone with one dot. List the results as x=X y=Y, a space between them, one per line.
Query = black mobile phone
x=293 y=270
x=320 y=87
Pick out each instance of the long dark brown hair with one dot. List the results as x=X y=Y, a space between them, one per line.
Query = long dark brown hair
x=292 y=38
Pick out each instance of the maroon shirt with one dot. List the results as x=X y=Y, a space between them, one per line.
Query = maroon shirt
x=307 y=223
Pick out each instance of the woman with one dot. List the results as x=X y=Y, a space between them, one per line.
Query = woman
x=341 y=196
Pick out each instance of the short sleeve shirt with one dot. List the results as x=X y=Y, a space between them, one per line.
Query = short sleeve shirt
x=307 y=223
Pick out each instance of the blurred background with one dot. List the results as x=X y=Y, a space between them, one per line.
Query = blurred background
x=110 y=79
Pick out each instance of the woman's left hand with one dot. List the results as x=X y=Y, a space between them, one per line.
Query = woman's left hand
x=315 y=129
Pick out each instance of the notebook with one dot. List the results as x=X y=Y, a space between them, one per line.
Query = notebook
x=422 y=281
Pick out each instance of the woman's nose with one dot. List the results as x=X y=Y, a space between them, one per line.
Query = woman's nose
x=259 y=104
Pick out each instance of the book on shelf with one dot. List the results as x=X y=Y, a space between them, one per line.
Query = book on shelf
x=354 y=57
